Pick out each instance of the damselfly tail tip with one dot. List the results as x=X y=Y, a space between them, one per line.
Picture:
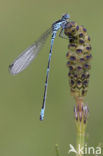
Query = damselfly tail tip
x=42 y=114
x=41 y=118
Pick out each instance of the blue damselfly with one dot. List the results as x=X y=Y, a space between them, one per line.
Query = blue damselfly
x=28 y=55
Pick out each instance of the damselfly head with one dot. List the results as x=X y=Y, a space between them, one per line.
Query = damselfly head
x=65 y=17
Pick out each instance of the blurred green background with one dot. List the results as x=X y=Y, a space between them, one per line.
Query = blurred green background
x=21 y=132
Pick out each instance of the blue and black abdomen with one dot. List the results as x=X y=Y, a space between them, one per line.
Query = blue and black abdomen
x=78 y=57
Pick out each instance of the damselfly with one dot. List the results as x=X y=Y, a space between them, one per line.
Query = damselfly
x=28 y=55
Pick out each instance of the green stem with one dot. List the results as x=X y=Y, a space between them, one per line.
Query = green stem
x=81 y=112
x=80 y=142
x=57 y=150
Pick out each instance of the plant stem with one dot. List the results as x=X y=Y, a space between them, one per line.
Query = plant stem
x=57 y=150
x=80 y=142
x=81 y=113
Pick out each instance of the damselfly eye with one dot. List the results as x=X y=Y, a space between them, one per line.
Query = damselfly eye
x=66 y=16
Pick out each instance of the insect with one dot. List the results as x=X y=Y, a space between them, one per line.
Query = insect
x=28 y=55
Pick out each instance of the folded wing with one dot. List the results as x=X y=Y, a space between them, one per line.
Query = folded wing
x=28 y=55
